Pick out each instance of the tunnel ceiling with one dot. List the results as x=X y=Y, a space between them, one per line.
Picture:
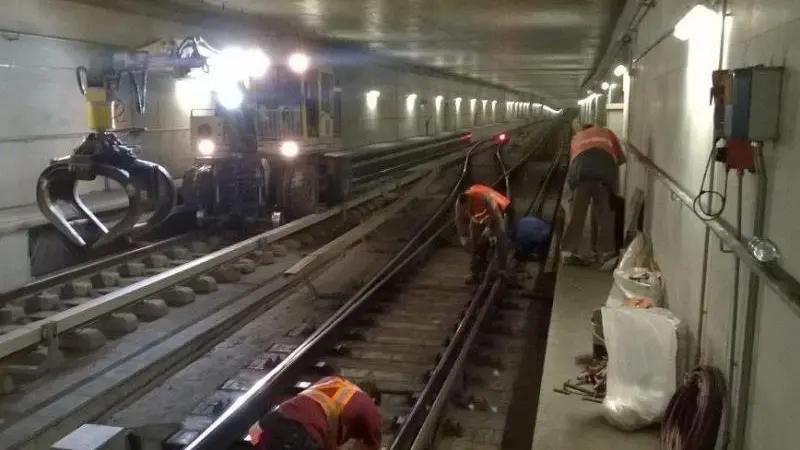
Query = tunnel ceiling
x=546 y=47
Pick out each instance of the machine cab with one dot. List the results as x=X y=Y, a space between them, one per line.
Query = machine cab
x=285 y=113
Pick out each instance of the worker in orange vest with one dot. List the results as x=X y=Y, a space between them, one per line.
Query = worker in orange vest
x=324 y=416
x=482 y=218
x=595 y=156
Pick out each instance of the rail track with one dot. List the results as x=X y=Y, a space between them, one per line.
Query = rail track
x=409 y=327
x=109 y=321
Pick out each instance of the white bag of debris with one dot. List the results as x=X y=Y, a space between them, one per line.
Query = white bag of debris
x=637 y=275
x=642 y=349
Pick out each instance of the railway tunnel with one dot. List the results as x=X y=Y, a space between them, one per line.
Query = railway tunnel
x=158 y=338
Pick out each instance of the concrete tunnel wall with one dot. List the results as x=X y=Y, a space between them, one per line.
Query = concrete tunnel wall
x=670 y=120
x=44 y=114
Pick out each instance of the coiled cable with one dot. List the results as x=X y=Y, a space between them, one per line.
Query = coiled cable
x=694 y=414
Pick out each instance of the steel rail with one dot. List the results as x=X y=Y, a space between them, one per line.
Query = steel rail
x=421 y=421
x=230 y=425
x=62 y=276
x=32 y=334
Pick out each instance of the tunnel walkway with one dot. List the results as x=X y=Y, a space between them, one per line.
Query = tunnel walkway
x=567 y=421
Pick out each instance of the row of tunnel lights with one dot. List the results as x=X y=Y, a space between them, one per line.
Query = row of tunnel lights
x=619 y=71
x=373 y=95
x=693 y=22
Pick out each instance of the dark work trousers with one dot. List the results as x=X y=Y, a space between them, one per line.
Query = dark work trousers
x=597 y=194
x=281 y=433
x=482 y=251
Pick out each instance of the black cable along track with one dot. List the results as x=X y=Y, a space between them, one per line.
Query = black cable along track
x=295 y=361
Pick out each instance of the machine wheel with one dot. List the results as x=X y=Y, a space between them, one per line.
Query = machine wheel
x=299 y=190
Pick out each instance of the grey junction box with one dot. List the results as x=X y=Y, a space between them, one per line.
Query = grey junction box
x=752 y=103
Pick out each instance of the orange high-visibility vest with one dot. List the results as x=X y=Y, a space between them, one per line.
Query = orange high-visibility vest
x=332 y=394
x=595 y=137
x=477 y=207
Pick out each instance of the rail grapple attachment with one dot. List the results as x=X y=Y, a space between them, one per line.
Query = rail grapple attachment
x=148 y=185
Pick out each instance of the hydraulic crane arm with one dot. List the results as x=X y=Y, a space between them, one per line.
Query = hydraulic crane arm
x=148 y=185
x=100 y=81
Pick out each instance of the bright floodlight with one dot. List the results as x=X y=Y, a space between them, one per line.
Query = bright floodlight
x=205 y=147
x=230 y=96
x=695 y=20
x=257 y=63
x=620 y=70
x=299 y=62
x=604 y=86
x=290 y=149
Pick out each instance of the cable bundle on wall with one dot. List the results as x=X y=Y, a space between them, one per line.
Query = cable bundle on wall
x=694 y=413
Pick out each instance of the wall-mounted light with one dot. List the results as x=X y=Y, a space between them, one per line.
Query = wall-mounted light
x=472 y=103
x=613 y=86
x=299 y=62
x=620 y=70
x=457 y=102
x=494 y=103
x=483 y=103
x=410 y=101
x=372 y=99
x=604 y=86
x=695 y=20
x=437 y=101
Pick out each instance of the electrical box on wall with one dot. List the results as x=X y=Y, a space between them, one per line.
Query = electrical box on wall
x=747 y=103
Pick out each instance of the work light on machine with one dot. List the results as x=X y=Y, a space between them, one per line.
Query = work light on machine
x=289 y=149
x=299 y=62
x=206 y=147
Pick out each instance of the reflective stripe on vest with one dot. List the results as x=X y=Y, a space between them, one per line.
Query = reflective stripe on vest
x=332 y=405
x=478 y=209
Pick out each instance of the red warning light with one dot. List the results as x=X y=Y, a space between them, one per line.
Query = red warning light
x=466 y=137
x=501 y=137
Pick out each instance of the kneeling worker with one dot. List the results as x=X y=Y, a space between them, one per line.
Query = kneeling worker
x=323 y=417
x=481 y=216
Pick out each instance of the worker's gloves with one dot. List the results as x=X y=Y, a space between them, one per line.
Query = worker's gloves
x=492 y=241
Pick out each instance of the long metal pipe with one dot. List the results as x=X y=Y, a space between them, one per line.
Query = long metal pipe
x=642 y=7
x=751 y=310
x=702 y=312
x=734 y=319
x=775 y=276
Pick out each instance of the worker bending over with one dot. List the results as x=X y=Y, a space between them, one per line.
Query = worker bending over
x=482 y=221
x=595 y=155
x=326 y=415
